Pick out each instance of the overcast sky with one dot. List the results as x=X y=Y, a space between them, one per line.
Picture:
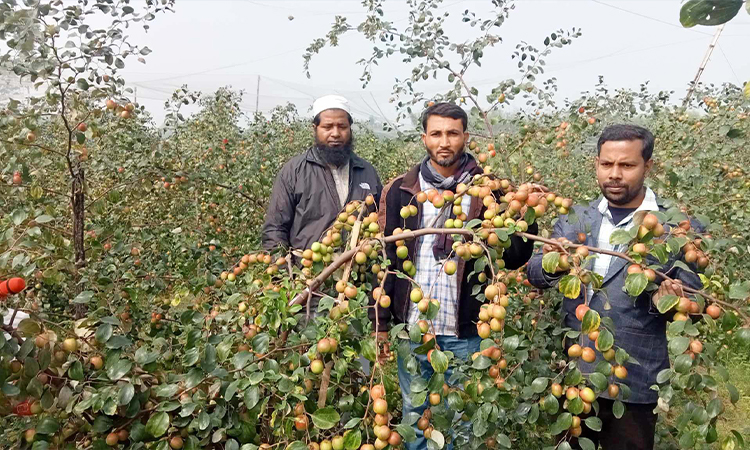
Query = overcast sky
x=208 y=44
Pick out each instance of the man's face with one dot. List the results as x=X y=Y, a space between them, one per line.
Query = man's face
x=621 y=171
x=445 y=140
x=333 y=136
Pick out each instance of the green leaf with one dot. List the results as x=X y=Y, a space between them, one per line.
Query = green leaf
x=734 y=394
x=406 y=432
x=575 y=406
x=683 y=363
x=502 y=439
x=599 y=381
x=103 y=332
x=591 y=321
x=618 y=409
x=191 y=357
x=667 y=302
x=482 y=362
x=28 y=328
x=157 y=424
x=570 y=286
x=143 y=356
x=539 y=385
x=439 y=361
x=715 y=407
x=563 y=422
x=118 y=369
x=369 y=350
x=739 y=291
x=252 y=397
x=47 y=425
x=44 y=218
x=260 y=343
x=594 y=423
x=635 y=284
x=352 y=439
x=551 y=405
x=18 y=216
x=687 y=440
x=550 y=261
x=326 y=418
x=605 y=341
x=743 y=334
x=621 y=356
x=574 y=377
x=40 y=445
x=83 y=298
x=75 y=371
x=619 y=237
x=101 y=424
x=117 y=342
x=296 y=445
x=708 y=12
x=586 y=443
x=82 y=84
x=678 y=345
x=663 y=376
x=455 y=401
x=127 y=391
x=11 y=390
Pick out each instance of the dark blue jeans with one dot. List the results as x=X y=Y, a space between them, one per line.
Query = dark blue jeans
x=461 y=348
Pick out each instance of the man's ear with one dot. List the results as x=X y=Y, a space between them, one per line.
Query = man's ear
x=424 y=139
x=596 y=162
x=467 y=138
x=649 y=165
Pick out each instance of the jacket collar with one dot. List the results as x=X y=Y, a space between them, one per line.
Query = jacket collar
x=354 y=161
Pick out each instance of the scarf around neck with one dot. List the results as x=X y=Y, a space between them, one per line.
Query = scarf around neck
x=467 y=166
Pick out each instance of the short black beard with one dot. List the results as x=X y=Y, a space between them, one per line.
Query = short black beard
x=625 y=198
x=445 y=162
x=335 y=156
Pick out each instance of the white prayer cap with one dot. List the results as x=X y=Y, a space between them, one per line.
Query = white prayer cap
x=330 y=102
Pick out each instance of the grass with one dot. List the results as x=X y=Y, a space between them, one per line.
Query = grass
x=738 y=415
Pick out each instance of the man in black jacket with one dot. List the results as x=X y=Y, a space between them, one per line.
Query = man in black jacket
x=445 y=166
x=312 y=188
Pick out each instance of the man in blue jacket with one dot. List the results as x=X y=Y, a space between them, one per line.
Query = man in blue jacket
x=622 y=163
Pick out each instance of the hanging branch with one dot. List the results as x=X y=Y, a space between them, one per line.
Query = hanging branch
x=303 y=296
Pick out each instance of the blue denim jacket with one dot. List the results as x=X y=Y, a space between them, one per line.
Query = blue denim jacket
x=639 y=328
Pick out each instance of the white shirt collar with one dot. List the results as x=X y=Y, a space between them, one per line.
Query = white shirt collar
x=648 y=204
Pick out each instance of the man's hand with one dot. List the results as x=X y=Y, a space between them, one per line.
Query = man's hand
x=385 y=350
x=667 y=287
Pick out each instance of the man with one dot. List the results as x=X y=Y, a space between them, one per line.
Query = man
x=312 y=188
x=623 y=161
x=443 y=168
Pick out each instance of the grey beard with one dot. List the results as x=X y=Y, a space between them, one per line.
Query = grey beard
x=336 y=156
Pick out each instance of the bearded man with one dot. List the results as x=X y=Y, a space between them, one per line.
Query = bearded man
x=313 y=187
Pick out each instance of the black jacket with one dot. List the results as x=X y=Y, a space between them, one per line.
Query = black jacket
x=401 y=192
x=304 y=202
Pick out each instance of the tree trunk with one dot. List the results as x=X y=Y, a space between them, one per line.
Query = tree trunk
x=78 y=203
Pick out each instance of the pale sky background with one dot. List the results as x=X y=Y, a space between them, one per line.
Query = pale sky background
x=208 y=44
